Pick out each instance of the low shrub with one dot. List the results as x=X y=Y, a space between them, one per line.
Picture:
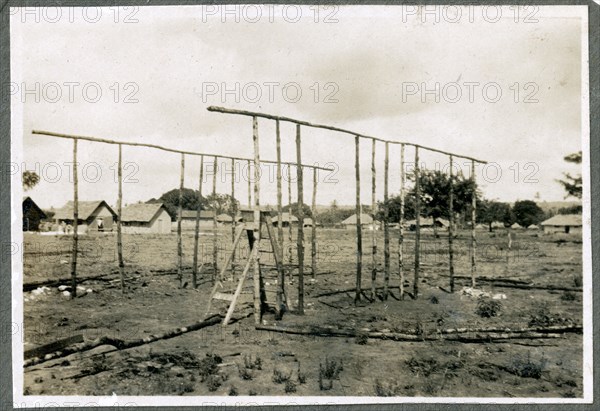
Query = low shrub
x=487 y=308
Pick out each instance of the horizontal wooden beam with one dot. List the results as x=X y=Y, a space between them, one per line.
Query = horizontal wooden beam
x=332 y=128
x=172 y=150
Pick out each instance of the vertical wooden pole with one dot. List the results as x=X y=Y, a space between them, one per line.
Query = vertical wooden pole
x=249 y=186
x=358 y=220
x=258 y=302
x=214 y=242
x=373 y=214
x=386 y=228
x=281 y=273
x=233 y=216
x=179 y=212
x=417 y=223
x=473 y=219
x=119 y=219
x=313 y=238
x=300 y=239
x=197 y=229
x=401 y=224
x=451 y=228
x=75 y=221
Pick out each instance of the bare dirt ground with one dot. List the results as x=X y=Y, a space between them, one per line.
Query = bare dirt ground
x=240 y=360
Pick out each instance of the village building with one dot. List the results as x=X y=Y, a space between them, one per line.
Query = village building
x=516 y=226
x=286 y=220
x=188 y=219
x=427 y=223
x=93 y=217
x=146 y=218
x=32 y=215
x=366 y=222
x=563 y=223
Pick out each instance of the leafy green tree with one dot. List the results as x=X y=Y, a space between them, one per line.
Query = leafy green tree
x=294 y=209
x=222 y=203
x=489 y=211
x=30 y=179
x=527 y=212
x=189 y=201
x=573 y=185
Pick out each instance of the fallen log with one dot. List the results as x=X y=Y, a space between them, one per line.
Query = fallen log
x=53 y=346
x=55 y=283
x=460 y=335
x=122 y=345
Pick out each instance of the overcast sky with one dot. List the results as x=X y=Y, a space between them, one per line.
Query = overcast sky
x=365 y=69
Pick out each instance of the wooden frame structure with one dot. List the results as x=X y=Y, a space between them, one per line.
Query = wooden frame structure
x=183 y=153
x=357 y=137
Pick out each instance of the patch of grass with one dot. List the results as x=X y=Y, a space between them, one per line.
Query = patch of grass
x=185 y=359
x=434 y=300
x=252 y=364
x=233 y=391
x=387 y=389
x=331 y=369
x=252 y=393
x=361 y=339
x=301 y=375
x=541 y=316
x=487 y=308
x=208 y=365
x=213 y=383
x=569 y=296
x=290 y=386
x=423 y=366
x=279 y=377
x=244 y=373
x=578 y=281
x=526 y=368
x=328 y=371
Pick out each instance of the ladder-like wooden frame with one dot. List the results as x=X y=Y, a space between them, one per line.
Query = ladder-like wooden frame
x=254 y=257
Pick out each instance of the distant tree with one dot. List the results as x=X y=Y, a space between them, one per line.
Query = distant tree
x=435 y=196
x=189 y=201
x=294 y=209
x=334 y=215
x=30 y=179
x=527 y=212
x=489 y=211
x=576 y=209
x=573 y=185
x=222 y=203
x=394 y=209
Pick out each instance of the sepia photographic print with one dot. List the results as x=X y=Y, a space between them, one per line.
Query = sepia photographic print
x=299 y=204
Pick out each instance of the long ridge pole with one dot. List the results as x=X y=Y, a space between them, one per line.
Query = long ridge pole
x=119 y=222
x=75 y=222
x=179 y=216
x=417 y=224
x=373 y=232
x=358 y=220
x=197 y=229
x=300 y=239
x=386 y=227
x=451 y=228
x=401 y=224
x=163 y=148
x=332 y=128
